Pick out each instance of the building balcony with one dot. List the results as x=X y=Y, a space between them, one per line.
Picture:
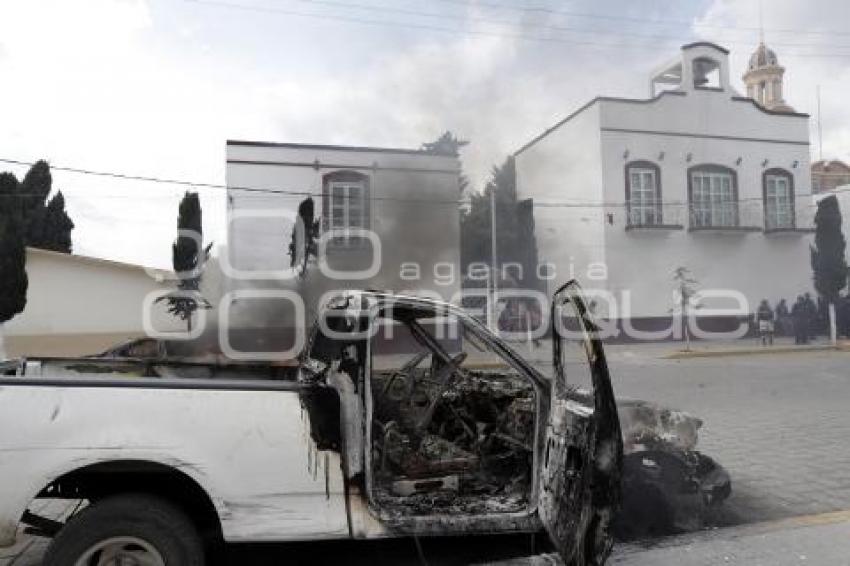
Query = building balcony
x=654 y=217
x=725 y=217
x=732 y=218
x=790 y=222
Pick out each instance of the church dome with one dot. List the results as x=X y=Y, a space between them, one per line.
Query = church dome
x=763 y=57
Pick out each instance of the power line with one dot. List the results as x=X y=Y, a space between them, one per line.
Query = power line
x=522 y=36
x=634 y=19
x=543 y=26
x=395 y=24
x=202 y=184
x=304 y=193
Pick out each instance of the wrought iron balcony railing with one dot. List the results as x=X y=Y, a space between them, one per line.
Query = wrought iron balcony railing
x=654 y=216
x=747 y=216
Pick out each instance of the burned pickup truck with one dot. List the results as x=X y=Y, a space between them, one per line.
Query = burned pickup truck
x=403 y=417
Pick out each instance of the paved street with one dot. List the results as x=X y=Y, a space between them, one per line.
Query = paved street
x=779 y=423
x=813 y=539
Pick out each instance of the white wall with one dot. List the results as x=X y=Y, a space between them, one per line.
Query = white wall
x=566 y=166
x=583 y=159
x=414 y=212
x=757 y=264
x=87 y=300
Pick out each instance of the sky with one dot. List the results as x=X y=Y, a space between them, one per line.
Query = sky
x=154 y=88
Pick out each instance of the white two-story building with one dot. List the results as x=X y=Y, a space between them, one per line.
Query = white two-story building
x=387 y=219
x=696 y=176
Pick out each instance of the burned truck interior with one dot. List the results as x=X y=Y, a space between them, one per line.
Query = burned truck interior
x=451 y=426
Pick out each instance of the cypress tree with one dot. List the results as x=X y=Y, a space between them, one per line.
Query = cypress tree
x=10 y=198
x=188 y=260
x=57 y=226
x=13 y=274
x=828 y=261
x=305 y=233
x=829 y=264
x=44 y=225
x=13 y=258
x=35 y=188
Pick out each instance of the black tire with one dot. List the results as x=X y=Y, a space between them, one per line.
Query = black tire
x=151 y=519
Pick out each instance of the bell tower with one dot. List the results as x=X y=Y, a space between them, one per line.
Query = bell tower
x=764 y=79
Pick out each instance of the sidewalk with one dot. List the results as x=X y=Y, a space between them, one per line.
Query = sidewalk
x=814 y=539
x=675 y=350
x=752 y=346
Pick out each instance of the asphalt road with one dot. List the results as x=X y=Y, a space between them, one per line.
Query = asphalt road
x=779 y=424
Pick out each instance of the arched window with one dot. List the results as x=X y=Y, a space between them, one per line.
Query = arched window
x=778 y=190
x=713 y=196
x=345 y=201
x=643 y=193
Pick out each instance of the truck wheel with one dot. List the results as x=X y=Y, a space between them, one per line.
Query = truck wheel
x=127 y=529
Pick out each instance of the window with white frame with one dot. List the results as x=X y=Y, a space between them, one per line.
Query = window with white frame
x=644 y=196
x=714 y=201
x=347 y=204
x=778 y=200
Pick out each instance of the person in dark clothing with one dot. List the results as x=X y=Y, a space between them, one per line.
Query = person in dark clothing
x=822 y=324
x=782 y=319
x=800 y=316
x=843 y=316
x=812 y=316
x=764 y=316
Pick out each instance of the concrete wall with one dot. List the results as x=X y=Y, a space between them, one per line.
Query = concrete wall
x=79 y=305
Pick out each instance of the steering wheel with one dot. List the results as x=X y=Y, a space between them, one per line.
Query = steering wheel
x=444 y=377
x=405 y=372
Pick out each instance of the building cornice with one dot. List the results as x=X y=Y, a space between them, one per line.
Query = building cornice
x=768 y=111
x=591 y=103
x=702 y=136
x=706 y=44
x=323 y=147
x=318 y=165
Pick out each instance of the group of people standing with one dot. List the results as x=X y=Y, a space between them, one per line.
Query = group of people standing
x=804 y=320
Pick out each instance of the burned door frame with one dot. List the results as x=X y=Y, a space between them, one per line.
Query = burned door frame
x=580 y=491
x=525 y=520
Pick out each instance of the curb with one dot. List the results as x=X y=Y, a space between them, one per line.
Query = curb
x=765 y=350
x=734 y=532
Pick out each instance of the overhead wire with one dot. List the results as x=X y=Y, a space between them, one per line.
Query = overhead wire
x=649 y=45
x=639 y=20
x=564 y=203
x=652 y=43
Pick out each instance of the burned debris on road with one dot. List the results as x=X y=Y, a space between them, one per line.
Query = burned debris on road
x=668 y=485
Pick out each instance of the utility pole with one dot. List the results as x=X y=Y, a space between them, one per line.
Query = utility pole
x=494 y=274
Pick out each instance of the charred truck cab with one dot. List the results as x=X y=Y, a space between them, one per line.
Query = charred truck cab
x=403 y=416
x=443 y=429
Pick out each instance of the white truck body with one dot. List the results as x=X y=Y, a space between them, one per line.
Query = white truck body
x=246 y=444
x=314 y=455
